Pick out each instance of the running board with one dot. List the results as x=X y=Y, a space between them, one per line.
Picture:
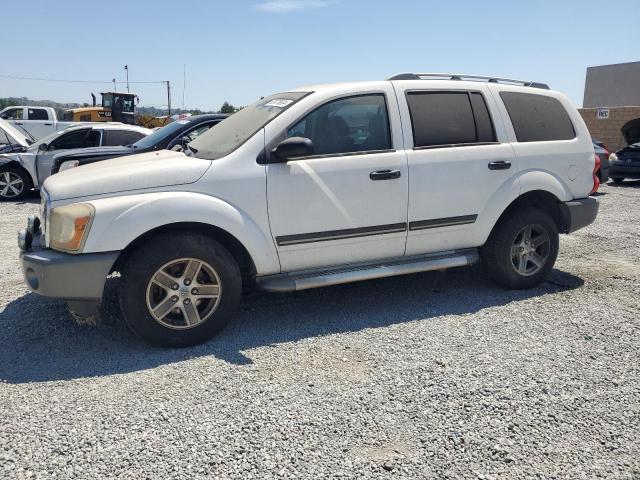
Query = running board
x=288 y=282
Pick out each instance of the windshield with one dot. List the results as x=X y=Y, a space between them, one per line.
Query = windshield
x=225 y=137
x=162 y=134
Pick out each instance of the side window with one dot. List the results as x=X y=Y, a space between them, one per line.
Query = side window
x=347 y=125
x=196 y=132
x=114 y=138
x=441 y=119
x=74 y=139
x=13 y=114
x=37 y=114
x=537 y=118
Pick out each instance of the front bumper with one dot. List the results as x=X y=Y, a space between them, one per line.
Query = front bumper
x=624 y=171
x=68 y=277
x=578 y=213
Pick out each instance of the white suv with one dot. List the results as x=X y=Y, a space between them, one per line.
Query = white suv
x=319 y=186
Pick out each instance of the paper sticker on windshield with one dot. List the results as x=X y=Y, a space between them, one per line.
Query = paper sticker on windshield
x=279 y=102
x=183 y=122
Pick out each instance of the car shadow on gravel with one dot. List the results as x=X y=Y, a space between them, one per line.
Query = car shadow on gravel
x=41 y=343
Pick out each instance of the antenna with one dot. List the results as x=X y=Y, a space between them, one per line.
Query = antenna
x=184 y=82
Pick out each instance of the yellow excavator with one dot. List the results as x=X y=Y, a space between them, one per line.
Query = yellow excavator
x=116 y=107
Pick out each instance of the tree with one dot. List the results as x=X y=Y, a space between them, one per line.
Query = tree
x=228 y=108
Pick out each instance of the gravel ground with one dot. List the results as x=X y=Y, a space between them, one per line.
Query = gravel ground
x=424 y=376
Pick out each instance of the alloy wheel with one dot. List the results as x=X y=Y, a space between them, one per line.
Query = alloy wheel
x=530 y=250
x=11 y=184
x=183 y=293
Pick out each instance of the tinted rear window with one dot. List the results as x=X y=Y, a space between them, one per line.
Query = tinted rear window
x=449 y=119
x=537 y=118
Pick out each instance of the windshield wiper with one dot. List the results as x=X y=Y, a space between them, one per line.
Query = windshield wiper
x=27 y=132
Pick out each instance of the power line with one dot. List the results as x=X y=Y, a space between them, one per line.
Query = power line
x=16 y=77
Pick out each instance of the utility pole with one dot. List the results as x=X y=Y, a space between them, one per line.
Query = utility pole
x=184 y=82
x=114 y=85
x=126 y=68
x=168 y=97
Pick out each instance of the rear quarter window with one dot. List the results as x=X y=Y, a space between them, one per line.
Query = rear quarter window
x=537 y=118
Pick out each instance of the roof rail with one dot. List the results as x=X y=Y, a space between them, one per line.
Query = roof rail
x=461 y=76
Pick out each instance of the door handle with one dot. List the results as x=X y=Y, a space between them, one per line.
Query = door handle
x=499 y=165
x=18 y=123
x=48 y=123
x=384 y=174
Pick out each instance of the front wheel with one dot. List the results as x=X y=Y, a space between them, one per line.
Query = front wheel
x=179 y=289
x=522 y=249
x=15 y=183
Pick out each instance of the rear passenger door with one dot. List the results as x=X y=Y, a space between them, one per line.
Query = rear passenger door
x=459 y=159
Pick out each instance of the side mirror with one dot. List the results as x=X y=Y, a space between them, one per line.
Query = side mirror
x=43 y=147
x=290 y=148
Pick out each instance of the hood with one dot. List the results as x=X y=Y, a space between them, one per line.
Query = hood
x=122 y=174
x=95 y=152
x=15 y=136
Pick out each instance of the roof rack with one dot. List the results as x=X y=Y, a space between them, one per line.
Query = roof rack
x=461 y=76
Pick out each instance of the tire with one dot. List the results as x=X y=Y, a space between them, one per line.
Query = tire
x=506 y=249
x=168 y=258
x=15 y=183
x=617 y=180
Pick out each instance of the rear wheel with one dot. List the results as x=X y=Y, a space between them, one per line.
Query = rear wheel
x=522 y=249
x=179 y=289
x=617 y=180
x=15 y=183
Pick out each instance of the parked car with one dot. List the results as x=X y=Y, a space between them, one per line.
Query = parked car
x=625 y=163
x=19 y=172
x=603 y=154
x=177 y=134
x=38 y=121
x=320 y=186
x=13 y=140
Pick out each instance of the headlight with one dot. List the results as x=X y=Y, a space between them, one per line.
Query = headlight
x=68 y=165
x=613 y=157
x=69 y=226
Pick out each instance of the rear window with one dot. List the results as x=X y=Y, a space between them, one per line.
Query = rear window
x=442 y=119
x=537 y=118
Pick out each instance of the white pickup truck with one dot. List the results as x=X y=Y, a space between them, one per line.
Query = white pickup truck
x=38 y=121
x=319 y=186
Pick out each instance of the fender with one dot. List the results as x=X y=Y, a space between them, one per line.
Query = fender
x=120 y=220
x=526 y=181
x=544 y=180
x=18 y=161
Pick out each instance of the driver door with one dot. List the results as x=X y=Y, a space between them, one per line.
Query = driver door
x=347 y=202
x=82 y=138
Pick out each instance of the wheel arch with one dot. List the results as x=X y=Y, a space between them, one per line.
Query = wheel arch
x=123 y=221
x=6 y=162
x=231 y=243
x=542 y=200
x=16 y=165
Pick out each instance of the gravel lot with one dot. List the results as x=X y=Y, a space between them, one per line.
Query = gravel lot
x=425 y=376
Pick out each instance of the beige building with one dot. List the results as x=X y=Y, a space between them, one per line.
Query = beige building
x=611 y=106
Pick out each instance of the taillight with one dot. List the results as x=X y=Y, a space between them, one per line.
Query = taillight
x=596 y=181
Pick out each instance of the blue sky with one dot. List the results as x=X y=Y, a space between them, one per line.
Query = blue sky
x=241 y=50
